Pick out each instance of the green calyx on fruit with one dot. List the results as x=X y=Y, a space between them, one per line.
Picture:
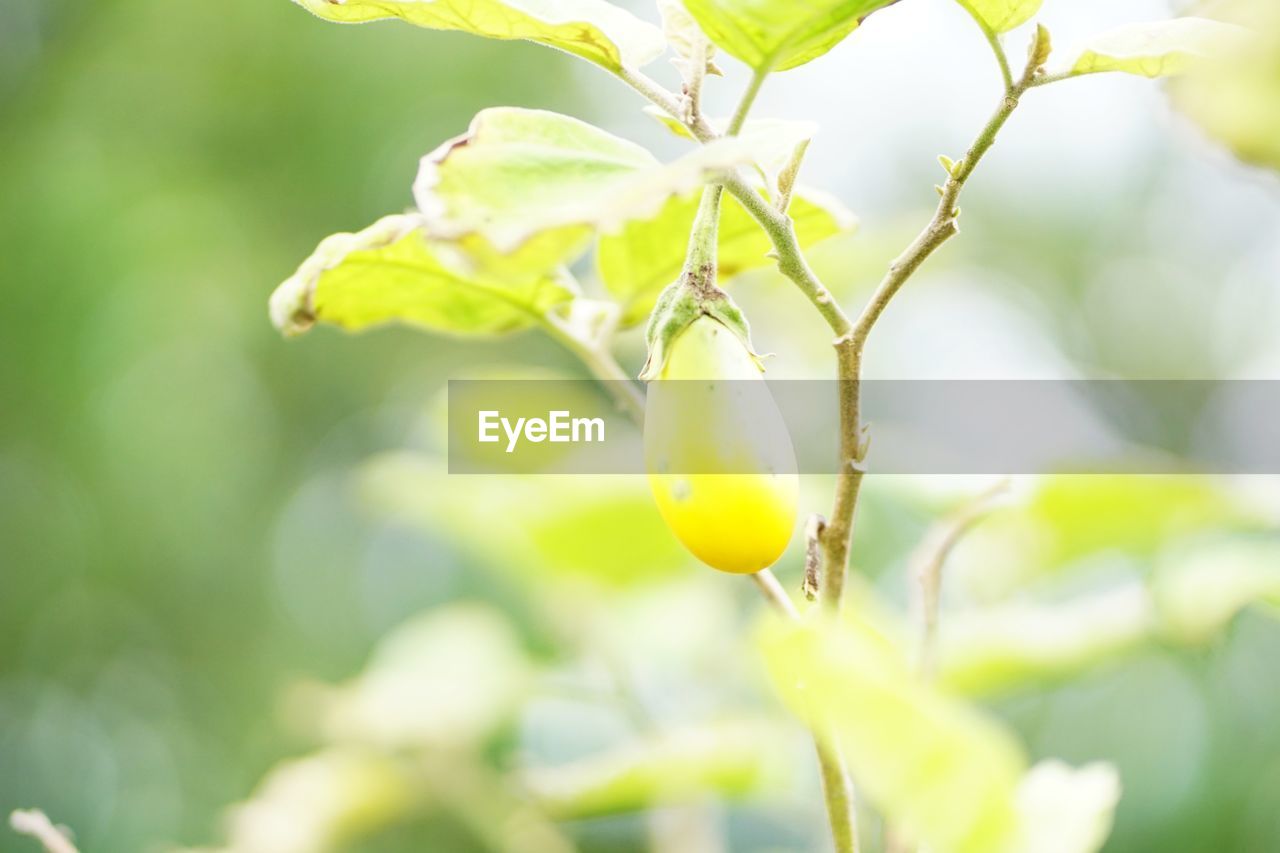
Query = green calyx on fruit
x=692 y=296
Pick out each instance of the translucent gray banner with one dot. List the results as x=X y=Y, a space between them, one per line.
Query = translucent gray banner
x=915 y=427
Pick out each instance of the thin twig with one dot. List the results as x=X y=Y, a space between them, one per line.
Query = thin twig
x=697 y=74
x=746 y=102
x=837 y=785
x=603 y=366
x=1055 y=77
x=993 y=39
x=924 y=568
x=669 y=103
x=775 y=594
x=944 y=225
x=36 y=824
x=790 y=257
x=926 y=564
x=941 y=228
x=837 y=791
x=704 y=238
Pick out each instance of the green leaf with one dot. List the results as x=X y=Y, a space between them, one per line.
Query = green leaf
x=1071 y=518
x=460 y=669
x=1001 y=16
x=948 y=776
x=1065 y=809
x=390 y=273
x=524 y=175
x=672 y=767
x=554 y=529
x=775 y=35
x=363 y=791
x=1156 y=49
x=520 y=173
x=1234 y=101
x=646 y=255
x=1193 y=595
x=985 y=650
x=930 y=764
x=1197 y=593
x=592 y=29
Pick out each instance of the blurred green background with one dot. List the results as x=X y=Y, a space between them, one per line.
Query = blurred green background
x=190 y=523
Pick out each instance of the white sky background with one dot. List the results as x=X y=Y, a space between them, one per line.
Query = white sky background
x=919 y=80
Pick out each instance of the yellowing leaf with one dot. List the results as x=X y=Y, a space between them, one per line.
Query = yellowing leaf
x=1002 y=15
x=936 y=768
x=775 y=35
x=389 y=273
x=646 y=255
x=520 y=174
x=932 y=765
x=1234 y=101
x=1156 y=49
x=592 y=29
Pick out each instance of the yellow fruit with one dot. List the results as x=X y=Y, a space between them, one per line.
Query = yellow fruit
x=719 y=457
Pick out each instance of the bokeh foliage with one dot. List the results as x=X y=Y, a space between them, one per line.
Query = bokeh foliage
x=200 y=525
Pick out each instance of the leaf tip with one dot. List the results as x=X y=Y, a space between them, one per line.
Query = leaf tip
x=290 y=306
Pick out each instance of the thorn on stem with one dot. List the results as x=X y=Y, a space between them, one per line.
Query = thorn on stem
x=864 y=444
